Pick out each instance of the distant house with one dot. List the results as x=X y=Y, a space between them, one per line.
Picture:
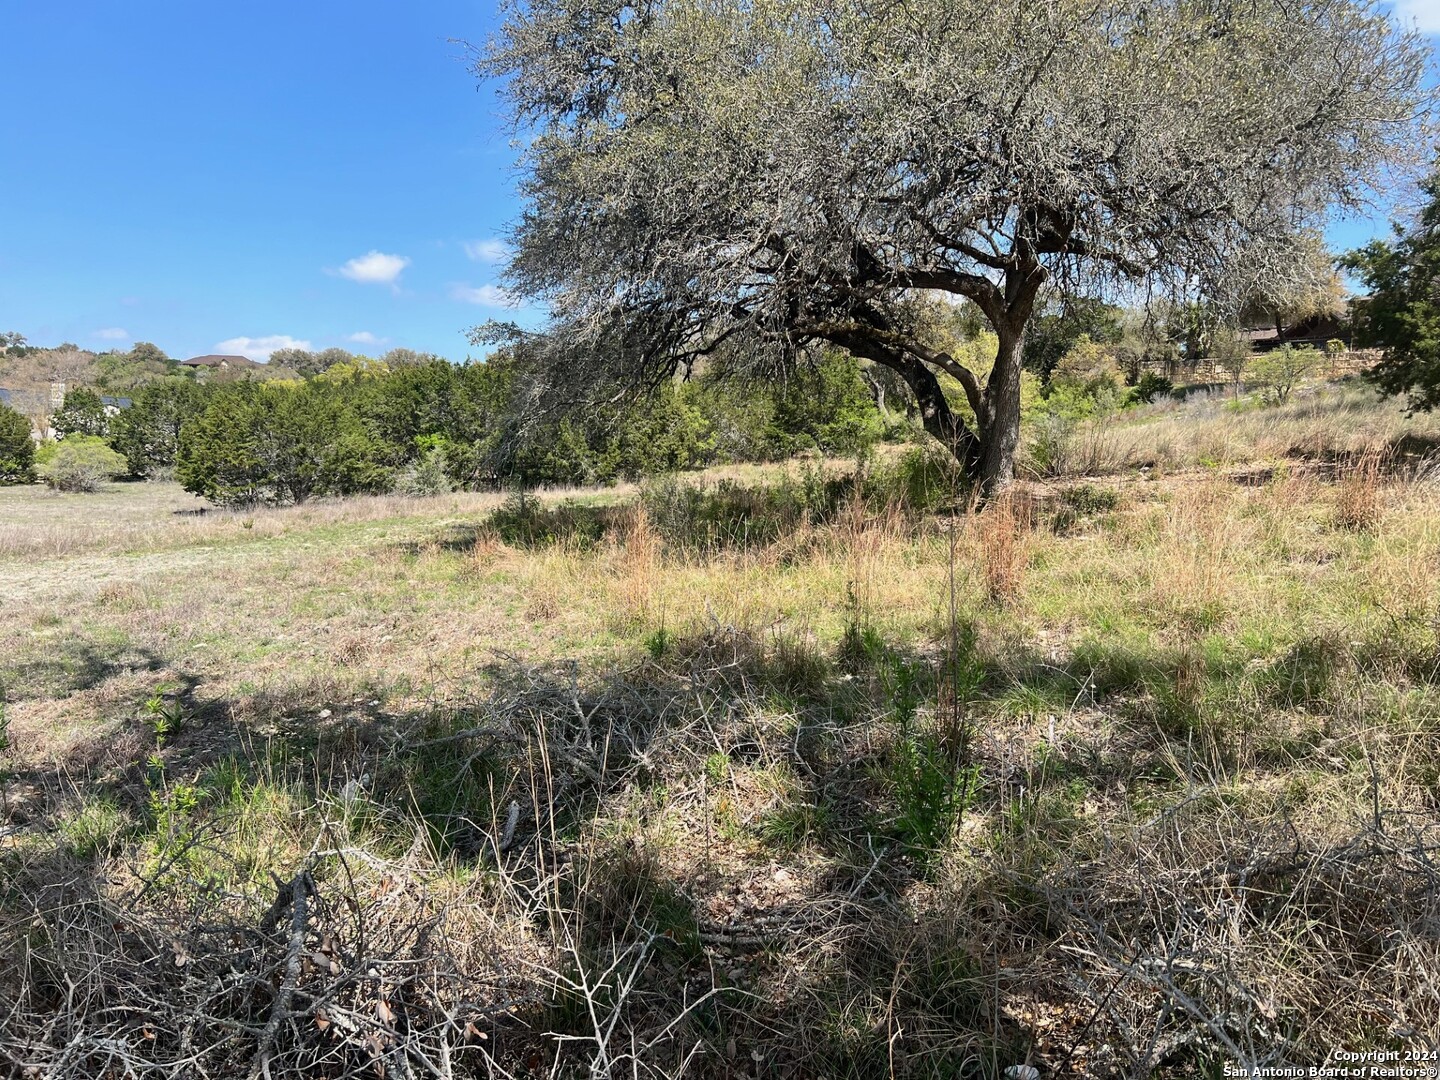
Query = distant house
x=114 y=405
x=4 y=396
x=1315 y=331
x=214 y=363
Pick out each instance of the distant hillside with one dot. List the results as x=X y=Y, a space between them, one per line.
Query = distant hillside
x=27 y=368
x=29 y=371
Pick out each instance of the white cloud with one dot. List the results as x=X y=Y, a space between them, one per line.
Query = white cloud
x=364 y=337
x=375 y=268
x=112 y=333
x=1424 y=14
x=259 y=348
x=488 y=251
x=485 y=296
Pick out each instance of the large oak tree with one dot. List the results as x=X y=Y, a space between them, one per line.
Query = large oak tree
x=742 y=180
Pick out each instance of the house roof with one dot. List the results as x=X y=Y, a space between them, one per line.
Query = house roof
x=219 y=360
x=1316 y=330
x=4 y=396
x=118 y=402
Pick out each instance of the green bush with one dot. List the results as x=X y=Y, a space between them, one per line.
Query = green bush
x=525 y=522
x=1052 y=439
x=666 y=432
x=702 y=517
x=1088 y=368
x=741 y=418
x=566 y=453
x=1149 y=387
x=425 y=476
x=17 y=448
x=924 y=478
x=825 y=407
x=1089 y=499
x=80 y=463
x=1278 y=372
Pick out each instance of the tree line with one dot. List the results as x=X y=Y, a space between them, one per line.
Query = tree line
x=417 y=423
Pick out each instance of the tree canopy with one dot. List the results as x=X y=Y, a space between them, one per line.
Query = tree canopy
x=743 y=181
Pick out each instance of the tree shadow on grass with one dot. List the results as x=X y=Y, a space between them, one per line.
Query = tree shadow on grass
x=565 y=854
x=76 y=663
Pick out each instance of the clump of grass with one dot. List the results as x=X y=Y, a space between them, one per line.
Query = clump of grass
x=525 y=521
x=1002 y=530
x=97 y=828
x=1201 y=536
x=1358 y=502
x=699 y=518
x=793 y=824
x=640 y=566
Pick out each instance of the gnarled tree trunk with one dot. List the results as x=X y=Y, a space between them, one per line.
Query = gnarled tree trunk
x=999 y=416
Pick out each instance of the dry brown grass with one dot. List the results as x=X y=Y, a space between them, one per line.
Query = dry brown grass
x=1325 y=423
x=38 y=523
x=1002 y=531
x=1359 y=502
x=639 y=560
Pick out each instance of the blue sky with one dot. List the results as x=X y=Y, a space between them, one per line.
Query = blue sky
x=240 y=177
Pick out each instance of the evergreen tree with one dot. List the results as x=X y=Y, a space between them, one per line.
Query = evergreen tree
x=83 y=413
x=148 y=433
x=1402 y=313
x=17 y=448
x=258 y=442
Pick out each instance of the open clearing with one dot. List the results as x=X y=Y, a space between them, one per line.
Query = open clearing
x=1129 y=776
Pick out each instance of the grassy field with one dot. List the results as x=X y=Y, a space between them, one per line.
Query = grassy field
x=778 y=772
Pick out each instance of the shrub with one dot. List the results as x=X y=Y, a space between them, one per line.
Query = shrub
x=924 y=478
x=427 y=476
x=1052 y=437
x=664 y=432
x=17 y=448
x=1232 y=353
x=562 y=453
x=79 y=463
x=1062 y=445
x=704 y=518
x=1279 y=371
x=525 y=522
x=740 y=418
x=1088 y=367
x=1089 y=499
x=1148 y=388
x=825 y=407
